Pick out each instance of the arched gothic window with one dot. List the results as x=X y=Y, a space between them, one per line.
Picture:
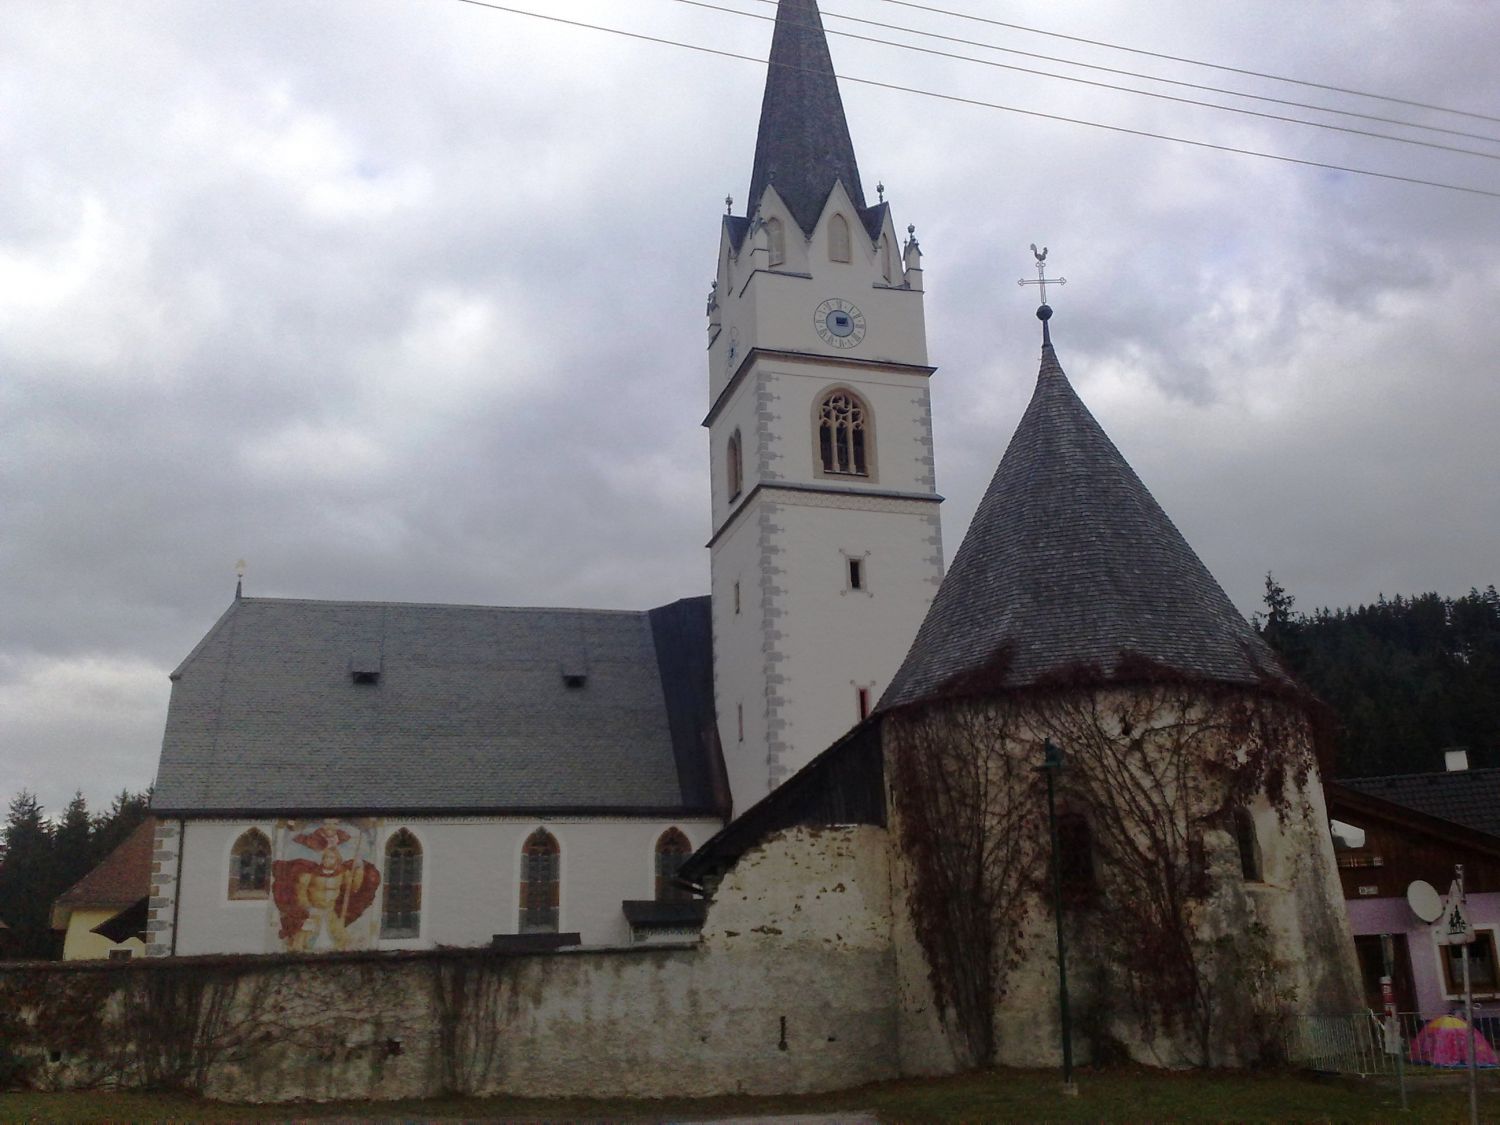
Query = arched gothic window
x=776 y=241
x=402 y=914
x=1248 y=844
x=250 y=865
x=844 y=434
x=838 y=239
x=736 y=465
x=672 y=850
x=540 y=871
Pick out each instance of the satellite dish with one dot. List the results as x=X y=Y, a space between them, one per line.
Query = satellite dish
x=1424 y=901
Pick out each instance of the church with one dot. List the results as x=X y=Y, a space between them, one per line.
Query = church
x=857 y=799
x=358 y=775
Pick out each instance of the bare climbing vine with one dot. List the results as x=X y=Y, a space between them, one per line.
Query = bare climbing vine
x=1158 y=770
x=969 y=819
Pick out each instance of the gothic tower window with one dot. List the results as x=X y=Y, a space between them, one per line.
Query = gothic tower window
x=736 y=465
x=250 y=865
x=887 y=270
x=844 y=434
x=672 y=850
x=838 y=239
x=401 y=916
x=540 y=877
x=776 y=241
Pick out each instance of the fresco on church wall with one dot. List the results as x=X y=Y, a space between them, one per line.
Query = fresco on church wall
x=323 y=885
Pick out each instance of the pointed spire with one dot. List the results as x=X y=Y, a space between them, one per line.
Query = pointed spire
x=1071 y=573
x=803 y=146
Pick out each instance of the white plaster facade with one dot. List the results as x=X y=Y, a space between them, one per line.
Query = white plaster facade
x=471 y=873
x=797 y=649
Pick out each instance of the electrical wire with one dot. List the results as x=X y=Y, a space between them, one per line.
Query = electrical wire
x=955 y=98
x=1283 y=118
x=827 y=14
x=1193 y=62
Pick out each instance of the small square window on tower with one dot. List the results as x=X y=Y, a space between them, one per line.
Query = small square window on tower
x=864 y=703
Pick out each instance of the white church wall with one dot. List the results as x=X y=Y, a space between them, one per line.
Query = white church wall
x=841 y=640
x=470 y=880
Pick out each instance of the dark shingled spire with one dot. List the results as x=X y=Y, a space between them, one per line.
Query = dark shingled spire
x=803 y=146
x=1071 y=573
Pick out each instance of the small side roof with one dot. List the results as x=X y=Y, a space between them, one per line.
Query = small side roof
x=301 y=707
x=1071 y=572
x=1467 y=797
x=121 y=878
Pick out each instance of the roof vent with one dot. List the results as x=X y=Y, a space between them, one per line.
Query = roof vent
x=364 y=664
x=1456 y=759
x=575 y=675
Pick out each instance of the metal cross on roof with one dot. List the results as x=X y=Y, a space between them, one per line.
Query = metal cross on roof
x=1041 y=273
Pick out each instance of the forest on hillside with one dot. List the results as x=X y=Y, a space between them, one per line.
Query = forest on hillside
x=1407 y=677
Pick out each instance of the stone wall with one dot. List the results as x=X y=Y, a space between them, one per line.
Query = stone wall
x=789 y=990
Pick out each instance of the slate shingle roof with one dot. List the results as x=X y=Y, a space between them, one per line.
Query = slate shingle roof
x=1071 y=571
x=470 y=711
x=803 y=145
x=1467 y=797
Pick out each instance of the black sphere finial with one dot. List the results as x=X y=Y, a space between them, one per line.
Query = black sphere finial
x=1044 y=313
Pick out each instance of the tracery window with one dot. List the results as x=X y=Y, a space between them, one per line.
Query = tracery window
x=838 y=239
x=402 y=914
x=672 y=850
x=540 y=871
x=736 y=465
x=250 y=865
x=776 y=241
x=844 y=434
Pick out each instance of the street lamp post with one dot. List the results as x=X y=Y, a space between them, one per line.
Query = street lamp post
x=1052 y=764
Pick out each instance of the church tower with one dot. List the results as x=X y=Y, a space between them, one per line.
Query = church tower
x=826 y=547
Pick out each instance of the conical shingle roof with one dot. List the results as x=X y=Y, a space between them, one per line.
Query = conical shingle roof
x=803 y=145
x=1072 y=573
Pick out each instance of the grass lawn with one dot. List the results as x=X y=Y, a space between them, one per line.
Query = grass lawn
x=1125 y=1094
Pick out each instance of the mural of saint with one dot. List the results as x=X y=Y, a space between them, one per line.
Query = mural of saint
x=322 y=886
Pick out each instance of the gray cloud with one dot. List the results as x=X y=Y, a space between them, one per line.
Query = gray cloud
x=405 y=302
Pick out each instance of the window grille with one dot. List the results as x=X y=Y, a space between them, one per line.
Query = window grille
x=402 y=916
x=540 y=870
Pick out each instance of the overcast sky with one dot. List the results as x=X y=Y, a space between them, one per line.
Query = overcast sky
x=403 y=300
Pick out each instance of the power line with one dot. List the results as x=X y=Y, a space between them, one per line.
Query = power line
x=1156 y=77
x=1193 y=62
x=1110 y=85
x=897 y=88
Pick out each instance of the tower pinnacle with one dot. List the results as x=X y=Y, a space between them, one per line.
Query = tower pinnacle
x=803 y=145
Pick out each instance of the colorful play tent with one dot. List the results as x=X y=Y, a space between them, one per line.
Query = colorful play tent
x=1445 y=1042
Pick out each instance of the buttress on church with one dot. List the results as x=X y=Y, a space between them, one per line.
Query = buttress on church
x=538 y=778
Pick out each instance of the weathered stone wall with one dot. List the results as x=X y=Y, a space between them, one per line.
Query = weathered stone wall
x=789 y=990
x=1265 y=948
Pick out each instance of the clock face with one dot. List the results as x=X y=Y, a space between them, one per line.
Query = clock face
x=840 y=324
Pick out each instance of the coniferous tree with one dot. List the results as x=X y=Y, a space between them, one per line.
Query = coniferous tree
x=1407 y=677
x=27 y=875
